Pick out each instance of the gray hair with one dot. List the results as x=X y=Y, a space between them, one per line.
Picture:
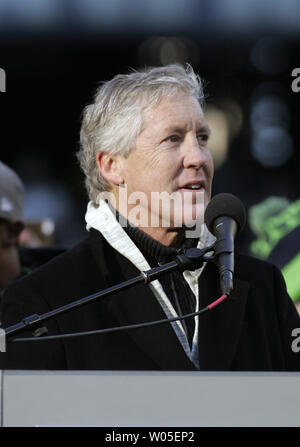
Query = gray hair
x=113 y=121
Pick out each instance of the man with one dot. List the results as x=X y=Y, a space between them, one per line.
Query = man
x=11 y=225
x=146 y=133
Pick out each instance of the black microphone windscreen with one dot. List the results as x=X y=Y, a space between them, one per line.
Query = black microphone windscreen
x=225 y=204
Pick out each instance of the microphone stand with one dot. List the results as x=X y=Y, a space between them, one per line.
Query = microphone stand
x=190 y=259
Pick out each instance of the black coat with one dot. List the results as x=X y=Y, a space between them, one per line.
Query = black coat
x=249 y=331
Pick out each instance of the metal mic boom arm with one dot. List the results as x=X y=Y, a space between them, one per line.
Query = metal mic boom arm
x=190 y=259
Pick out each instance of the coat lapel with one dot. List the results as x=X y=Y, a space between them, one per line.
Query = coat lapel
x=219 y=329
x=160 y=342
x=137 y=305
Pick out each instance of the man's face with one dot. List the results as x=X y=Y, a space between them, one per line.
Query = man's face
x=171 y=156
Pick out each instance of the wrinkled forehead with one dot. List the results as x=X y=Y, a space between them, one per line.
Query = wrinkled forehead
x=182 y=111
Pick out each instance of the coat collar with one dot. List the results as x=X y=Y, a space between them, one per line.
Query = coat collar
x=137 y=305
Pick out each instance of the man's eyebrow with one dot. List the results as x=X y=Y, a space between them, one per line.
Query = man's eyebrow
x=200 y=128
x=204 y=128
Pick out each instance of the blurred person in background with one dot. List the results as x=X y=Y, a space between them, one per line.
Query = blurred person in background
x=22 y=248
x=11 y=225
x=275 y=223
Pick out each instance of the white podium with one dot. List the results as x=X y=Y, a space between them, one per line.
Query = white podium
x=149 y=399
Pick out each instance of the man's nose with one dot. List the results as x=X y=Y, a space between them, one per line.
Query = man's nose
x=194 y=155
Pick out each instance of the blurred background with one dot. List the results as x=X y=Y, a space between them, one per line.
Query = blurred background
x=55 y=53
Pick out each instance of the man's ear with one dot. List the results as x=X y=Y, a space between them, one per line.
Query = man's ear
x=110 y=167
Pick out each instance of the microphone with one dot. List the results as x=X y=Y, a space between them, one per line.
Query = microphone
x=225 y=217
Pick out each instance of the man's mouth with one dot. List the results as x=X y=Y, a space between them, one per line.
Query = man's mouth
x=193 y=186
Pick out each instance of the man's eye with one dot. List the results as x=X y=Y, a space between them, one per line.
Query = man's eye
x=173 y=138
x=203 y=138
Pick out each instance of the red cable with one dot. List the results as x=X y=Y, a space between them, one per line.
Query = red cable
x=216 y=302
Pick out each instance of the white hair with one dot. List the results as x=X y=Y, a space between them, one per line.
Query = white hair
x=113 y=121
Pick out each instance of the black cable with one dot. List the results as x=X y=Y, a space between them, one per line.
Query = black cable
x=107 y=330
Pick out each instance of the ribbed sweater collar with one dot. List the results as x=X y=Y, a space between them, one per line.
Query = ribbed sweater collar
x=150 y=247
